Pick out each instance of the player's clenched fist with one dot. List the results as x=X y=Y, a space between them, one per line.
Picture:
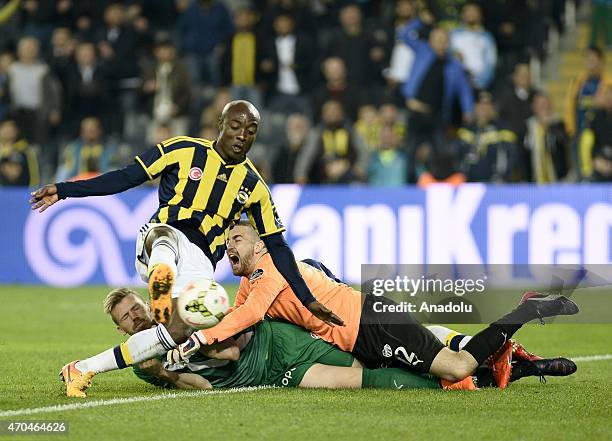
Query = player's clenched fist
x=44 y=197
x=183 y=352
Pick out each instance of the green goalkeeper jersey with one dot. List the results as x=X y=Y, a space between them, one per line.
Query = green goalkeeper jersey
x=278 y=354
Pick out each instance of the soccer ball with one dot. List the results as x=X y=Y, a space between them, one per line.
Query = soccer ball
x=203 y=304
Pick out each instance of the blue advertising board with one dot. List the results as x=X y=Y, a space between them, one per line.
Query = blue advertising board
x=92 y=240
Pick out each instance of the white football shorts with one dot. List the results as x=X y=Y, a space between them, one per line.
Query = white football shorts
x=191 y=262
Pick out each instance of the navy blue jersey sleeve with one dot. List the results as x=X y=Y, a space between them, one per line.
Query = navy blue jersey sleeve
x=284 y=261
x=112 y=182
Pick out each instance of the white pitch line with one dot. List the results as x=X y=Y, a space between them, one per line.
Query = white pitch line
x=100 y=403
x=587 y=358
x=200 y=393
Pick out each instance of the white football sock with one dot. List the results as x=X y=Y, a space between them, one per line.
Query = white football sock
x=449 y=338
x=164 y=250
x=141 y=346
x=102 y=362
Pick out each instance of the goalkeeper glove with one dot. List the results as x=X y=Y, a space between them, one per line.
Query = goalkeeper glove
x=184 y=351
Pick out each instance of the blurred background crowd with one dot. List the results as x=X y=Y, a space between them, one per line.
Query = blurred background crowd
x=388 y=92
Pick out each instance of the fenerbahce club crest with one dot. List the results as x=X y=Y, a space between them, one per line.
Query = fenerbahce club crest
x=242 y=197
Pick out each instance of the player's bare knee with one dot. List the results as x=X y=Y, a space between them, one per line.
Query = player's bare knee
x=460 y=369
x=452 y=366
x=159 y=232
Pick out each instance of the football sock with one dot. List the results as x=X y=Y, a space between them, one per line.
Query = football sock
x=451 y=339
x=163 y=251
x=102 y=362
x=489 y=340
x=395 y=378
x=139 y=347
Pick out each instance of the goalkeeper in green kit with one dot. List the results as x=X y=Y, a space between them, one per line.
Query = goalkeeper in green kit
x=271 y=353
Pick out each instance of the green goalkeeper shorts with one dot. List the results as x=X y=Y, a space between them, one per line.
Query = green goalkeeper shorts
x=294 y=350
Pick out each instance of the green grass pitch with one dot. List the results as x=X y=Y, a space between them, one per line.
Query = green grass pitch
x=43 y=328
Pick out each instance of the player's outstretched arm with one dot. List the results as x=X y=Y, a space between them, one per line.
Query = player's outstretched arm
x=179 y=380
x=112 y=182
x=192 y=381
x=284 y=261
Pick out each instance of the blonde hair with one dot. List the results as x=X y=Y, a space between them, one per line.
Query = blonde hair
x=114 y=297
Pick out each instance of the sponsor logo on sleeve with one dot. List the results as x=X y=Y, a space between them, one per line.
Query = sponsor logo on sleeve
x=256 y=274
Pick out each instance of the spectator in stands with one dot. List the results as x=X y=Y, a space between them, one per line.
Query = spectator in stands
x=433 y=87
x=300 y=11
x=6 y=59
x=117 y=43
x=337 y=88
x=296 y=133
x=488 y=150
x=210 y=115
x=601 y=23
x=598 y=135
x=167 y=89
x=368 y=126
x=38 y=19
x=602 y=165
x=372 y=120
x=387 y=165
x=441 y=168
x=288 y=67
x=87 y=88
x=202 y=27
x=241 y=57
x=61 y=52
x=510 y=22
x=35 y=94
x=516 y=105
x=547 y=143
x=77 y=157
x=91 y=169
x=18 y=163
x=364 y=55
x=580 y=100
x=390 y=117
x=161 y=133
x=475 y=46
x=334 y=154
x=446 y=12
x=402 y=57
x=84 y=29
x=118 y=46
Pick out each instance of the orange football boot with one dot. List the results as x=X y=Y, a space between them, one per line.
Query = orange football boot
x=76 y=381
x=161 y=279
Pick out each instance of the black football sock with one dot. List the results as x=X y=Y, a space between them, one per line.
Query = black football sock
x=489 y=340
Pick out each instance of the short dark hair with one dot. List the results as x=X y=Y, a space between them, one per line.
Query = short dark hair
x=597 y=51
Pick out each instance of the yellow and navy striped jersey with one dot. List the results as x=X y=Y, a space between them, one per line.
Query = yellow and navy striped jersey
x=196 y=185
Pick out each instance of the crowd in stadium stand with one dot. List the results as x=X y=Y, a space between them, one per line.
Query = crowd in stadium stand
x=388 y=92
